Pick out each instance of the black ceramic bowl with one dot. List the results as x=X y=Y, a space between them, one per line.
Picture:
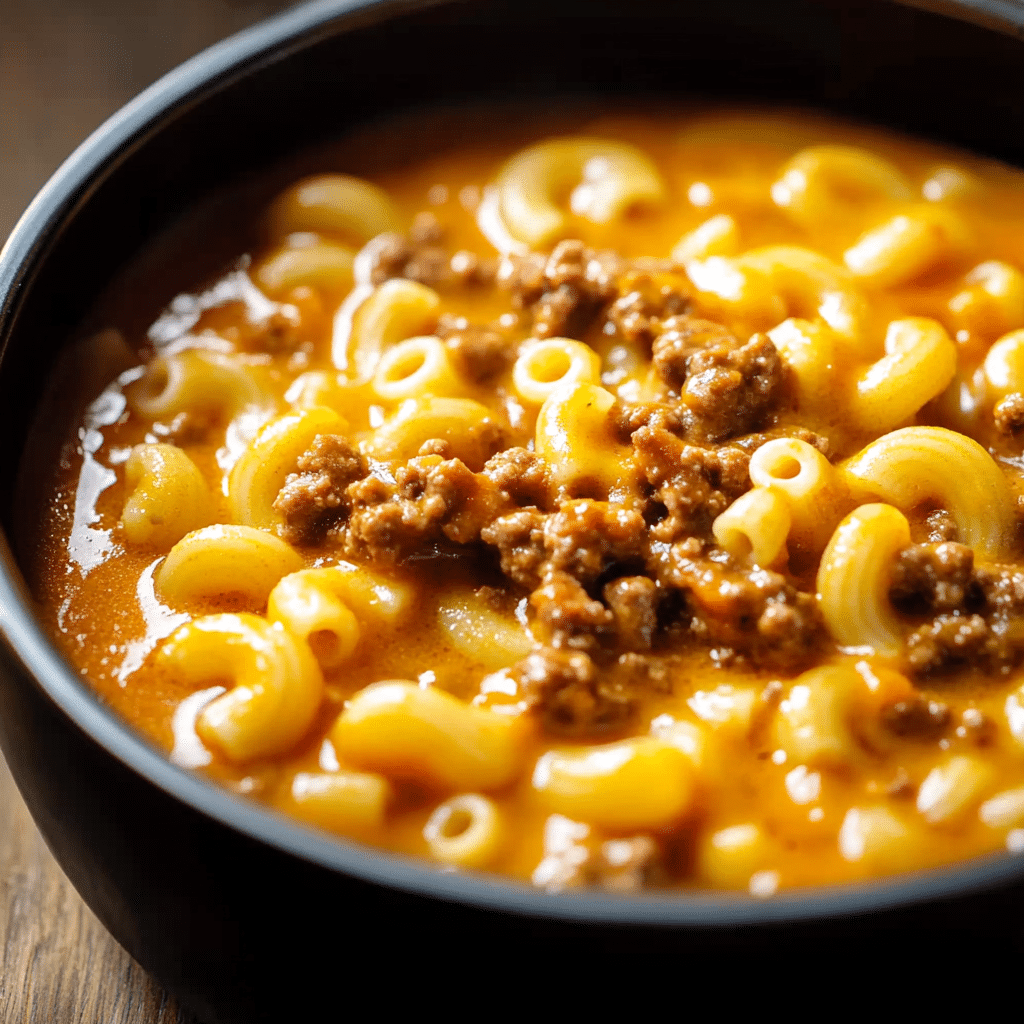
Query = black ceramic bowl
x=247 y=916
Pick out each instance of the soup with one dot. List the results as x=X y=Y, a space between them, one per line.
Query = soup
x=635 y=504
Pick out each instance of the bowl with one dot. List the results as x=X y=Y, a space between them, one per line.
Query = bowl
x=243 y=914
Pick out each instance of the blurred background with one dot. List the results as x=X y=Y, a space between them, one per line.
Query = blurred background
x=65 y=66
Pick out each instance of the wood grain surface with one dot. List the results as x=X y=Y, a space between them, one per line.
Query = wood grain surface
x=65 y=66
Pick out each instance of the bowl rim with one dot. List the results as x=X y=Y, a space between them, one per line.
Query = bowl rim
x=60 y=198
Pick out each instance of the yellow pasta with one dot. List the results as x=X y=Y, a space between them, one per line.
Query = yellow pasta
x=991 y=301
x=954 y=788
x=855 y=575
x=602 y=178
x=825 y=184
x=480 y=631
x=196 y=380
x=167 y=496
x=322 y=264
x=337 y=203
x=466 y=830
x=277 y=686
x=639 y=783
x=400 y=729
x=396 y=310
x=1004 y=365
x=574 y=435
x=754 y=527
x=544 y=366
x=220 y=560
x=918 y=365
x=304 y=602
x=468 y=426
x=717 y=236
x=346 y=802
x=920 y=464
x=416 y=367
x=906 y=246
x=260 y=472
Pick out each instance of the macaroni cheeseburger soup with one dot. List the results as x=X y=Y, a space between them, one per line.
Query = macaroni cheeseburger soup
x=635 y=503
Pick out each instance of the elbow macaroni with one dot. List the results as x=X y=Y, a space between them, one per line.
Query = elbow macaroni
x=593 y=592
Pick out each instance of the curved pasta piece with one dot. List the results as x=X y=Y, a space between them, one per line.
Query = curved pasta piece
x=321 y=265
x=754 y=527
x=954 y=788
x=575 y=437
x=635 y=784
x=218 y=560
x=881 y=838
x=308 y=609
x=815 y=493
x=343 y=801
x=261 y=470
x=396 y=310
x=166 y=496
x=397 y=728
x=812 y=285
x=906 y=245
x=195 y=380
x=416 y=367
x=809 y=349
x=1004 y=365
x=855 y=577
x=991 y=301
x=544 y=366
x=277 y=685
x=917 y=464
x=602 y=178
x=717 y=236
x=466 y=830
x=481 y=632
x=467 y=425
x=918 y=365
x=824 y=183
x=336 y=203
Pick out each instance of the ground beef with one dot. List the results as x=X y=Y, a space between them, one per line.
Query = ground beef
x=918 y=717
x=940 y=526
x=432 y=499
x=519 y=538
x=571 y=697
x=567 y=617
x=680 y=339
x=752 y=613
x=584 y=538
x=564 y=291
x=420 y=256
x=694 y=484
x=930 y=578
x=633 y=601
x=521 y=474
x=1008 y=413
x=947 y=640
x=646 y=298
x=628 y=417
x=313 y=499
x=479 y=353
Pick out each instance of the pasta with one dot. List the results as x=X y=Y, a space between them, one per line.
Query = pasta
x=621 y=504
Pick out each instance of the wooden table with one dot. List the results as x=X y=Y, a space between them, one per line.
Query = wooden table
x=65 y=65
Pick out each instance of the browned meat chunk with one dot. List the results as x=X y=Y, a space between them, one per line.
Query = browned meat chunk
x=570 y=696
x=751 y=612
x=479 y=352
x=646 y=298
x=519 y=538
x=694 y=484
x=727 y=387
x=1008 y=413
x=432 y=499
x=521 y=474
x=918 y=717
x=565 y=291
x=929 y=578
x=633 y=601
x=584 y=538
x=566 y=616
x=420 y=256
x=947 y=640
x=313 y=499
